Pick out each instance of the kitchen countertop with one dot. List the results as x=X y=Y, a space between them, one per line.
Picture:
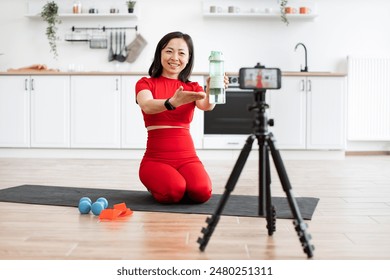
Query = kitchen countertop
x=84 y=73
x=97 y=73
x=314 y=74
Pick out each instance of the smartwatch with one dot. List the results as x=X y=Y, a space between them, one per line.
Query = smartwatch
x=168 y=105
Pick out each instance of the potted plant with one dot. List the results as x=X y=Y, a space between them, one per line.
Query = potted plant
x=283 y=4
x=49 y=14
x=130 y=6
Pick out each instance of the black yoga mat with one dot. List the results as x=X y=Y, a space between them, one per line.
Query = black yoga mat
x=237 y=205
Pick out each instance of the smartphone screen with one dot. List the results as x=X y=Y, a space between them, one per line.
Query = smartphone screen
x=260 y=78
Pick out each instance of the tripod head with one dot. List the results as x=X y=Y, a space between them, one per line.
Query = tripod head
x=261 y=120
x=260 y=79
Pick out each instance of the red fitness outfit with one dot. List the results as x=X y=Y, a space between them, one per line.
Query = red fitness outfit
x=170 y=168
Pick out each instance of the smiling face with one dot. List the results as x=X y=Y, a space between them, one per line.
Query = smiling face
x=174 y=58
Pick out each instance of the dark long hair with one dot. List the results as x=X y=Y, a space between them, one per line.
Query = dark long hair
x=156 y=68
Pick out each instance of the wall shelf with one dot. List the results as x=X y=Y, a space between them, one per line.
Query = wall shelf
x=86 y=15
x=65 y=10
x=259 y=15
x=254 y=9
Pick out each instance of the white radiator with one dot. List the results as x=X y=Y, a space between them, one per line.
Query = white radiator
x=368 y=99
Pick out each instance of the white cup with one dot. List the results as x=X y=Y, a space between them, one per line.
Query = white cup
x=256 y=10
x=71 y=67
x=233 y=9
x=215 y=9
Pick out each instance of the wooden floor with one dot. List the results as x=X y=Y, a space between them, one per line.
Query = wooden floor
x=352 y=220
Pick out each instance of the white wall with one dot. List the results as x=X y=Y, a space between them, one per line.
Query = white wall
x=343 y=28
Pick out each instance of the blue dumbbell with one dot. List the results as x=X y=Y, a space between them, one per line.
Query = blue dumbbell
x=98 y=206
x=85 y=205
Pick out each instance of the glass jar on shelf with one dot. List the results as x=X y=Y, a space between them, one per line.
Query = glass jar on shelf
x=77 y=7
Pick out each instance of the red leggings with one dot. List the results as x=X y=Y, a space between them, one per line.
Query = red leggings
x=170 y=168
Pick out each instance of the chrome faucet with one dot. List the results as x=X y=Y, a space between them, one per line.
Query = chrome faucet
x=305 y=69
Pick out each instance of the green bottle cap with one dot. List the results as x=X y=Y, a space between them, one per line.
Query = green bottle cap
x=216 y=55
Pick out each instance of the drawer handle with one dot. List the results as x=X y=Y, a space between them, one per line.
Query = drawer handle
x=302 y=85
x=233 y=143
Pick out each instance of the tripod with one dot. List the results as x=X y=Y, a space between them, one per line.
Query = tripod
x=266 y=142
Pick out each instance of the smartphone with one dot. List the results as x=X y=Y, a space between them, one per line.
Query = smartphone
x=260 y=78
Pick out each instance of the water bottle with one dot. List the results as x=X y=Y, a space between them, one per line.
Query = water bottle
x=217 y=73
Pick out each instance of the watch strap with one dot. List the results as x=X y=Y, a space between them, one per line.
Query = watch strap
x=168 y=105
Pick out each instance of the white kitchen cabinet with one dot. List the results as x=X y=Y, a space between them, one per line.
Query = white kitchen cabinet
x=50 y=111
x=134 y=134
x=309 y=113
x=34 y=111
x=288 y=110
x=326 y=113
x=15 y=111
x=95 y=111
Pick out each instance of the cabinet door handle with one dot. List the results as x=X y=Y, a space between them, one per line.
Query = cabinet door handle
x=302 y=85
x=26 y=84
x=309 y=85
x=32 y=84
x=117 y=84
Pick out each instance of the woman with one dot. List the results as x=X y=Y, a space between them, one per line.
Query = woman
x=170 y=168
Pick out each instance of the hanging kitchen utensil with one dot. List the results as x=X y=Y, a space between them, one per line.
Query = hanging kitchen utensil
x=98 y=41
x=116 y=45
x=111 y=51
x=77 y=36
x=120 y=57
x=135 y=48
x=124 y=44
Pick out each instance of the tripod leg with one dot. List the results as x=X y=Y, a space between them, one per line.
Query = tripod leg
x=265 y=200
x=270 y=209
x=263 y=165
x=300 y=225
x=233 y=178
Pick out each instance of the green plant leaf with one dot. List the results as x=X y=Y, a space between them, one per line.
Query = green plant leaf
x=49 y=14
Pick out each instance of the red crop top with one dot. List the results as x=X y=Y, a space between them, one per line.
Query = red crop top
x=164 y=88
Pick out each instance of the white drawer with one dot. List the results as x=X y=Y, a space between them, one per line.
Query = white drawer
x=223 y=142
